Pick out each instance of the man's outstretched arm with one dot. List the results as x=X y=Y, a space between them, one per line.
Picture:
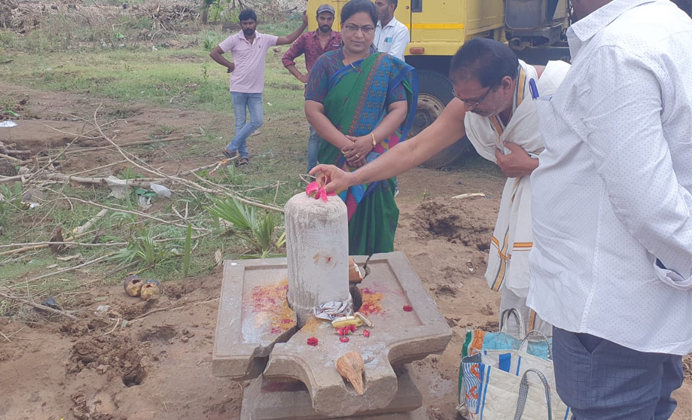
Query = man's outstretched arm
x=446 y=130
x=284 y=40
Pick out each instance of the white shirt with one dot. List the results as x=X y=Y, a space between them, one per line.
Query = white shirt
x=612 y=193
x=392 y=38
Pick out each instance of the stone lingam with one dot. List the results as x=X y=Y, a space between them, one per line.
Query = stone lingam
x=266 y=331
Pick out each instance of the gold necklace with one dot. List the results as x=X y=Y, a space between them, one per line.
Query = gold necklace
x=352 y=64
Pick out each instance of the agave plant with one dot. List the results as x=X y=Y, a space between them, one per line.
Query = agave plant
x=256 y=230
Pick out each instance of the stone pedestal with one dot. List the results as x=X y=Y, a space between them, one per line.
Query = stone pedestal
x=266 y=400
x=317 y=252
x=256 y=330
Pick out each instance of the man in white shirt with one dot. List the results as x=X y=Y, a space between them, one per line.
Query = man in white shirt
x=493 y=107
x=611 y=207
x=391 y=36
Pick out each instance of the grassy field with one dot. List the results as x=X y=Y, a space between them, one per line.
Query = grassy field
x=143 y=72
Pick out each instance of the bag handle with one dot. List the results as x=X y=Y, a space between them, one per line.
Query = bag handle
x=526 y=340
x=505 y=316
x=522 y=395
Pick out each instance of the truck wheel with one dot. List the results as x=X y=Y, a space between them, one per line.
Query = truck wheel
x=435 y=93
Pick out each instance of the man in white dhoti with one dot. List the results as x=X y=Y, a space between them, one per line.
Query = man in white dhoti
x=494 y=108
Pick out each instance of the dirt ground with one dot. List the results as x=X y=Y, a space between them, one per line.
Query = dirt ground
x=159 y=366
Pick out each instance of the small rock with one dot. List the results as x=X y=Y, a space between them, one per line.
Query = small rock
x=102 y=309
x=51 y=303
x=7 y=169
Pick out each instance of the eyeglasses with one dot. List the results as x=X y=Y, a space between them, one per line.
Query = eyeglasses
x=471 y=104
x=367 y=29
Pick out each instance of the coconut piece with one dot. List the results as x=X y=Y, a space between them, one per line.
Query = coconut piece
x=351 y=367
x=150 y=290
x=355 y=275
x=132 y=285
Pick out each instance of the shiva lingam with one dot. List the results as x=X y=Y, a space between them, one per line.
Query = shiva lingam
x=301 y=365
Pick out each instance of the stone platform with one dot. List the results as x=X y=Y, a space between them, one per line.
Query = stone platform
x=265 y=400
x=257 y=330
x=253 y=316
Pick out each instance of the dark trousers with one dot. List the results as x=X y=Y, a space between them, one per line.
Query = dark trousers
x=601 y=380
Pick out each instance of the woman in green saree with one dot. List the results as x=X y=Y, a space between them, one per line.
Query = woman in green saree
x=362 y=103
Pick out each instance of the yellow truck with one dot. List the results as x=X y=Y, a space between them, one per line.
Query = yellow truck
x=534 y=29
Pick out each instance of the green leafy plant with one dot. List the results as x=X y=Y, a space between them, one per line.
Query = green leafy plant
x=144 y=250
x=187 y=255
x=209 y=41
x=129 y=173
x=256 y=230
x=7 y=203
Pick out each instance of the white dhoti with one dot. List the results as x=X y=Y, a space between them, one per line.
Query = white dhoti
x=508 y=268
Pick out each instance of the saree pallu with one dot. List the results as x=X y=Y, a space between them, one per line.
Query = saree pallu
x=356 y=103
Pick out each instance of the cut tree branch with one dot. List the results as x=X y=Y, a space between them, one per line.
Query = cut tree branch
x=38 y=306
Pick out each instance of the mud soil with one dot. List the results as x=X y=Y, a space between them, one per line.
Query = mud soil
x=130 y=363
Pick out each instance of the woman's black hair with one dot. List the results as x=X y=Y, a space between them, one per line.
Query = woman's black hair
x=354 y=7
x=487 y=59
x=247 y=14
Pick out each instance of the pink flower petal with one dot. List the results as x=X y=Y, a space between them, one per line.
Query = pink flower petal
x=318 y=192
x=311 y=188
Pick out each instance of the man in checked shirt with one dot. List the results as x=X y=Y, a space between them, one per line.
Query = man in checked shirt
x=313 y=45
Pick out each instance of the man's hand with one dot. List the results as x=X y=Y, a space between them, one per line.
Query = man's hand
x=303 y=78
x=517 y=162
x=231 y=68
x=332 y=178
x=305 y=18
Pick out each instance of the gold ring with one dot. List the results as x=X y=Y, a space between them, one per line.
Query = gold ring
x=357 y=155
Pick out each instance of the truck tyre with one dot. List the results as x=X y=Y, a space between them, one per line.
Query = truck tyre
x=435 y=92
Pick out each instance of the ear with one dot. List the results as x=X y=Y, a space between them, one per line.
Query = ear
x=507 y=82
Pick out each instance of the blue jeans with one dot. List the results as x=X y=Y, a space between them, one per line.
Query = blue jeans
x=241 y=101
x=601 y=380
x=314 y=145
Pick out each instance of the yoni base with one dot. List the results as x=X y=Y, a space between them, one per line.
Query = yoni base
x=264 y=400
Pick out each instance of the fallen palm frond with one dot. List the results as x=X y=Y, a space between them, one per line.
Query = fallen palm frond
x=144 y=250
x=257 y=231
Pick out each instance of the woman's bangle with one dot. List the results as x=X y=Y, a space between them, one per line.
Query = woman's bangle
x=374 y=141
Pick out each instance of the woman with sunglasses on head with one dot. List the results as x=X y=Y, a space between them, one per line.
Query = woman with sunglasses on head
x=362 y=103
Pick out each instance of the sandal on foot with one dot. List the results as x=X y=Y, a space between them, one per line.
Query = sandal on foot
x=228 y=153
x=242 y=162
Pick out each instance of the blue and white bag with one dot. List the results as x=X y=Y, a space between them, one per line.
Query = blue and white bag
x=494 y=394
